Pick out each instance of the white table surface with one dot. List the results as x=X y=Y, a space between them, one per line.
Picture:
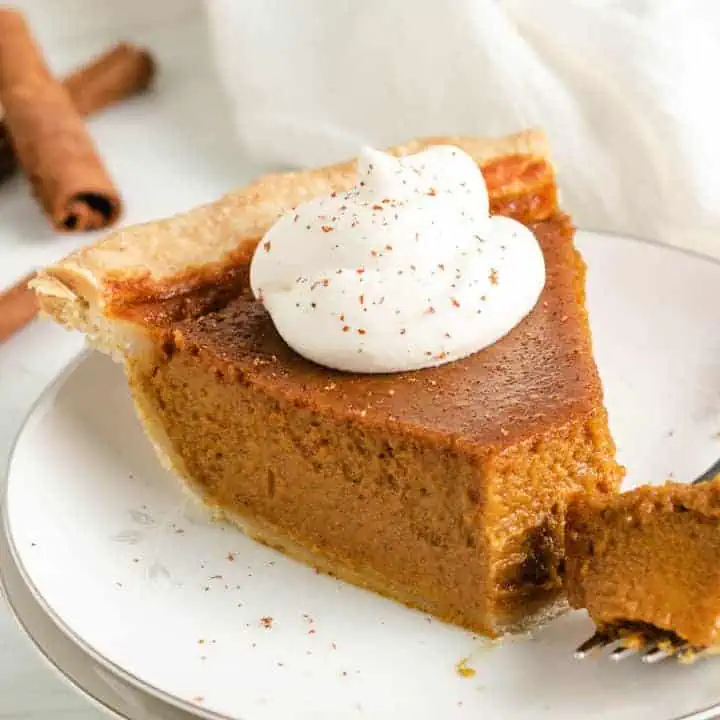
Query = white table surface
x=168 y=151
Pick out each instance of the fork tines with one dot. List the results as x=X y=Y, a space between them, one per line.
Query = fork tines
x=650 y=643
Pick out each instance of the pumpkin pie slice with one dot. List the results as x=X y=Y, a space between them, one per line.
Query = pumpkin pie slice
x=443 y=488
x=649 y=557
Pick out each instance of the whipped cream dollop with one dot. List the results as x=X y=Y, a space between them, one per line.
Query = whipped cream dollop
x=405 y=271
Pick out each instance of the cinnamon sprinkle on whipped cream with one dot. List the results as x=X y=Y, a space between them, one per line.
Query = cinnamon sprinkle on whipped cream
x=436 y=277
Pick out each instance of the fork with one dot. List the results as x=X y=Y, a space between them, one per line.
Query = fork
x=629 y=639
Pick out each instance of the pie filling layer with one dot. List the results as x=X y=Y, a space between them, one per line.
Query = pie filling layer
x=443 y=488
x=649 y=556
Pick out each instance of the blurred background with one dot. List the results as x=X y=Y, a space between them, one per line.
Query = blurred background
x=167 y=150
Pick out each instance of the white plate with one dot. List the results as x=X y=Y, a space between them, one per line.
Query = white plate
x=101 y=686
x=144 y=583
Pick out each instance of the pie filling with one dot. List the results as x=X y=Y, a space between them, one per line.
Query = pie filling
x=649 y=557
x=443 y=488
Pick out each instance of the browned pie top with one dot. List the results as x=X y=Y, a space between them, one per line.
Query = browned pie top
x=542 y=373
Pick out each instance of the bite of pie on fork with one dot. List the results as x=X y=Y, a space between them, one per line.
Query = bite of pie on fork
x=646 y=566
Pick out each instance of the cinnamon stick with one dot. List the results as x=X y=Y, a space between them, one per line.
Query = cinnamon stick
x=122 y=71
x=18 y=306
x=49 y=137
x=116 y=74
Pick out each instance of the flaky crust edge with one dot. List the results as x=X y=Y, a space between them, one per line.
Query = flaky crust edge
x=158 y=260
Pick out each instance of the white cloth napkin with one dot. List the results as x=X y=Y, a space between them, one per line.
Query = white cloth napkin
x=627 y=91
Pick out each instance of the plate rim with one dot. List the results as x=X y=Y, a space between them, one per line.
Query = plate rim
x=40 y=651
x=43 y=399
x=5 y=592
x=46 y=648
x=710 y=712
